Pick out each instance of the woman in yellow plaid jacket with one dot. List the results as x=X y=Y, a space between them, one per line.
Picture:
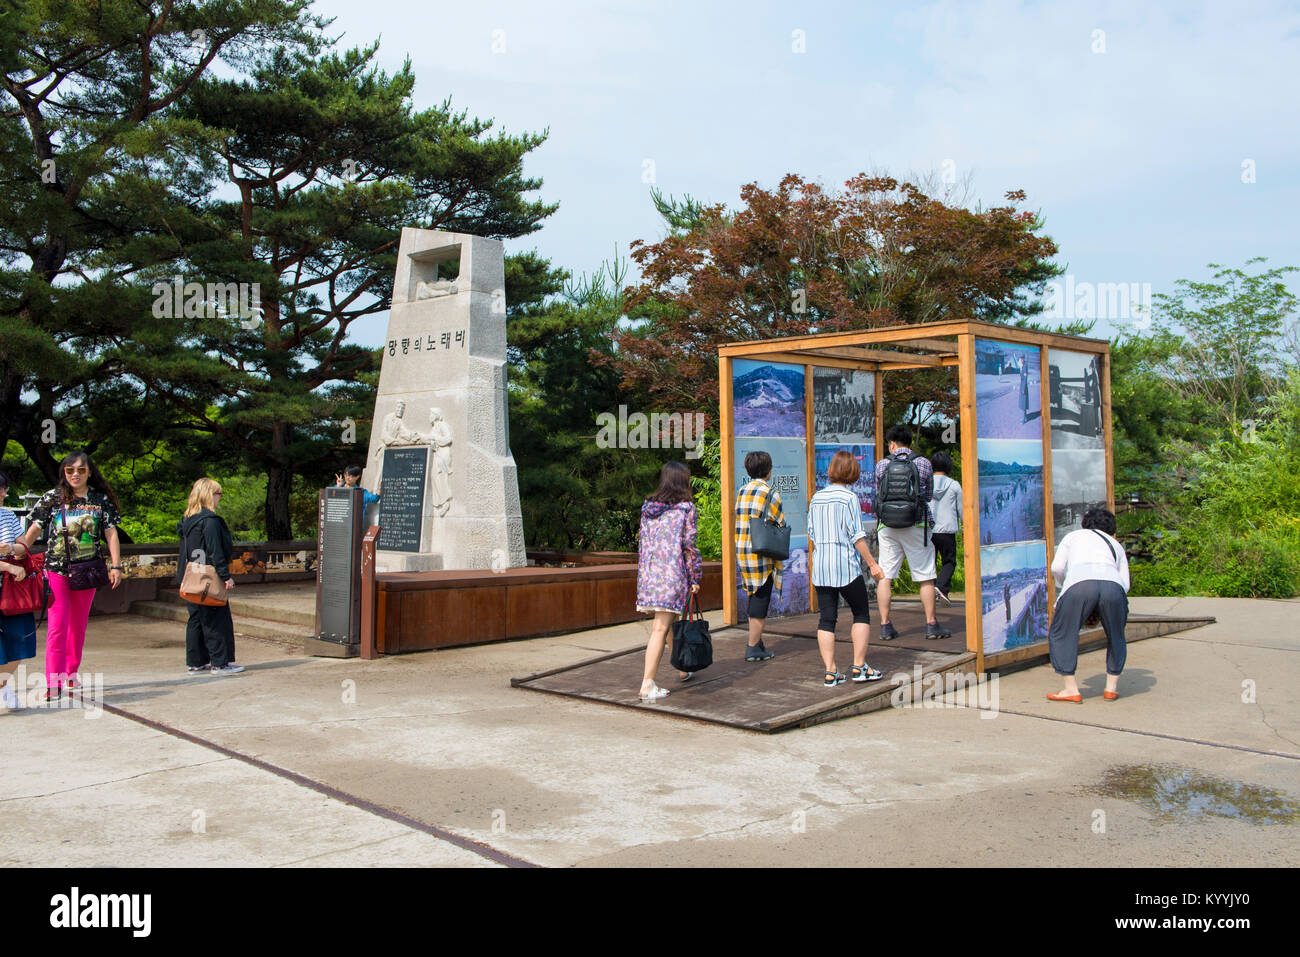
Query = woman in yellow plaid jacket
x=759 y=575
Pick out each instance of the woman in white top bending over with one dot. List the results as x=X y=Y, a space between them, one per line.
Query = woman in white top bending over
x=1091 y=572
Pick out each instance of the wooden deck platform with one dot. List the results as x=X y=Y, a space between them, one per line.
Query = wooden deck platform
x=786 y=692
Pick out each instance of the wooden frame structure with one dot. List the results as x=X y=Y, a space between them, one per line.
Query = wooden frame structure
x=899 y=349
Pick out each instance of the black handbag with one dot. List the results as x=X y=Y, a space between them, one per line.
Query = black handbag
x=88 y=573
x=692 y=646
x=768 y=538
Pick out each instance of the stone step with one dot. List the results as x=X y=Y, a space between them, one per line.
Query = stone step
x=263 y=608
x=244 y=624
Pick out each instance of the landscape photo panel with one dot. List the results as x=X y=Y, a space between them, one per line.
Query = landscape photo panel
x=844 y=406
x=789 y=478
x=1013 y=580
x=1074 y=398
x=864 y=488
x=1008 y=391
x=767 y=398
x=1078 y=483
x=1011 y=505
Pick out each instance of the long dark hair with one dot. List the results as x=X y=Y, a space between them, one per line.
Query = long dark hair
x=95 y=479
x=674 y=484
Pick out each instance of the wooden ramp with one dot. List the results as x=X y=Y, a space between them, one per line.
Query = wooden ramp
x=776 y=695
x=786 y=692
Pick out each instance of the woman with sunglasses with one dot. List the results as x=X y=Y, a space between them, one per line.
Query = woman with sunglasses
x=73 y=518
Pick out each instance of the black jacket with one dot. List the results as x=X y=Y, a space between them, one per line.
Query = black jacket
x=207 y=531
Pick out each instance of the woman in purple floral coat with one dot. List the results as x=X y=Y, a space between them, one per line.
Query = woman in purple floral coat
x=670 y=569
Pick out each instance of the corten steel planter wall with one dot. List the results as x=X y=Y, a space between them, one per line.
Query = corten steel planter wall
x=420 y=611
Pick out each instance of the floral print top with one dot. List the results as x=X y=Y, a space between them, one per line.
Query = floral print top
x=669 y=562
x=87 y=518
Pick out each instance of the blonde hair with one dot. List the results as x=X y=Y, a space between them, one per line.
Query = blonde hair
x=202 y=496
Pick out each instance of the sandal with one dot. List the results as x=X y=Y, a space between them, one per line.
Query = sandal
x=833 y=678
x=654 y=694
x=865 y=672
x=685 y=675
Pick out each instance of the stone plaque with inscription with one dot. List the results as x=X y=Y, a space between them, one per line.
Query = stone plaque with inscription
x=401 y=507
x=338 y=592
x=442 y=396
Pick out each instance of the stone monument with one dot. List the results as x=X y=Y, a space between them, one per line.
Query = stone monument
x=441 y=441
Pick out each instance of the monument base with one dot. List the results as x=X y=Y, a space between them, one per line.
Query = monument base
x=318 y=648
x=390 y=561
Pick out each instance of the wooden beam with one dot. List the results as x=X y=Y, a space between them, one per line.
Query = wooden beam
x=725 y=427
x=904 y=366
x=802 y=358
x=875 y=355
x=934 y=345
x=970 y=491
x=856 y=338
x=1044 y=403
x=810 y=441
x=991 y=330
x=1105 y=418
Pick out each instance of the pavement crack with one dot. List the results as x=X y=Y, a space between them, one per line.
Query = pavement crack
x=1263 y=715
x=341 y=850
x=98 y=784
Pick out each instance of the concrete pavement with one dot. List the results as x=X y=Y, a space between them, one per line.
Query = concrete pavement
x=441 y=741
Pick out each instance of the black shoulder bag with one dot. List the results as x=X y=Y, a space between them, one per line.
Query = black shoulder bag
x=692 y=646
x=768 y=538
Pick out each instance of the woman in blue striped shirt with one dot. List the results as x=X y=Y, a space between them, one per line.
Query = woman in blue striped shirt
x=836 y=535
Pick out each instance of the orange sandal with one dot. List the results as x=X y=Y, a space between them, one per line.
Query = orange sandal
x=1110 y=695
x=1076 y=698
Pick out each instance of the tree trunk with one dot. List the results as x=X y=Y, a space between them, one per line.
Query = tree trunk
x=279 y=482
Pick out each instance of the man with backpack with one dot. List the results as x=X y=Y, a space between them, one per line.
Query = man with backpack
x=904 y=488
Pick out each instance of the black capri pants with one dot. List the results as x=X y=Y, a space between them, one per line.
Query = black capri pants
x=760 y=599
x=828 y=602
x=1081 y=601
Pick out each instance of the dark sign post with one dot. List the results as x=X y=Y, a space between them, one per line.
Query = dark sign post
x=338 y=575
x=401 y=508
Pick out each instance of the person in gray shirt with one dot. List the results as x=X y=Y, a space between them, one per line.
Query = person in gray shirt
x=945 y=517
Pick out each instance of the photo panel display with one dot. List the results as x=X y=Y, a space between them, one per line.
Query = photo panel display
x=1011 y=505
x=789 y=479
x=1008 y=392
x=1074 y=399
x=864 y=488
x=844 y=406
x=767 y=399
x=1078 y=483
x=1013 y=580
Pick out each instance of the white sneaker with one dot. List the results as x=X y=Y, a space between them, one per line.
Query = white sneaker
x=9 y=699
x=231 y=669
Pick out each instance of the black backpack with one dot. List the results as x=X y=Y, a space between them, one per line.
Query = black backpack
x=899 y=496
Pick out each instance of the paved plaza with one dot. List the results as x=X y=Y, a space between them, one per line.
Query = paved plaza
x=433 y=759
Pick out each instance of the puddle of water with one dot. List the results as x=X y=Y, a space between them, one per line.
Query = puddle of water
x=1173 y=794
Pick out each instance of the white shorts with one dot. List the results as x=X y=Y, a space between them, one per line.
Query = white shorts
x=898 y=542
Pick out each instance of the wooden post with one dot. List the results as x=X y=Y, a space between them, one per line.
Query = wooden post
x=810 y=445
x=1104 y=357
x=970 y=484
x=368 y=544
x=1049 y=502
x=730 y=614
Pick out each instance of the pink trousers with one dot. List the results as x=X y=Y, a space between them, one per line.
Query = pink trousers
x=66 y=635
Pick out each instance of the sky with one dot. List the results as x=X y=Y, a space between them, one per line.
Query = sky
x=1155 y=138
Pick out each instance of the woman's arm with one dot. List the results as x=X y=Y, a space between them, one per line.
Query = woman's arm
x=115 y=551
x=694 y=563
x=1060 y=562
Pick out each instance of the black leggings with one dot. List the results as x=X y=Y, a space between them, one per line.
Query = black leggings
x=828 y=601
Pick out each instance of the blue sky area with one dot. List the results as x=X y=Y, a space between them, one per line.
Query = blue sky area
x=1127 y=124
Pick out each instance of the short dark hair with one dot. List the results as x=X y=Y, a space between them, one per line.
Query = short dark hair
x=941 y=462
x=1102 y=519
x=355 y=470
x=758 y=464
x=900 y=434
x=4 y=480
